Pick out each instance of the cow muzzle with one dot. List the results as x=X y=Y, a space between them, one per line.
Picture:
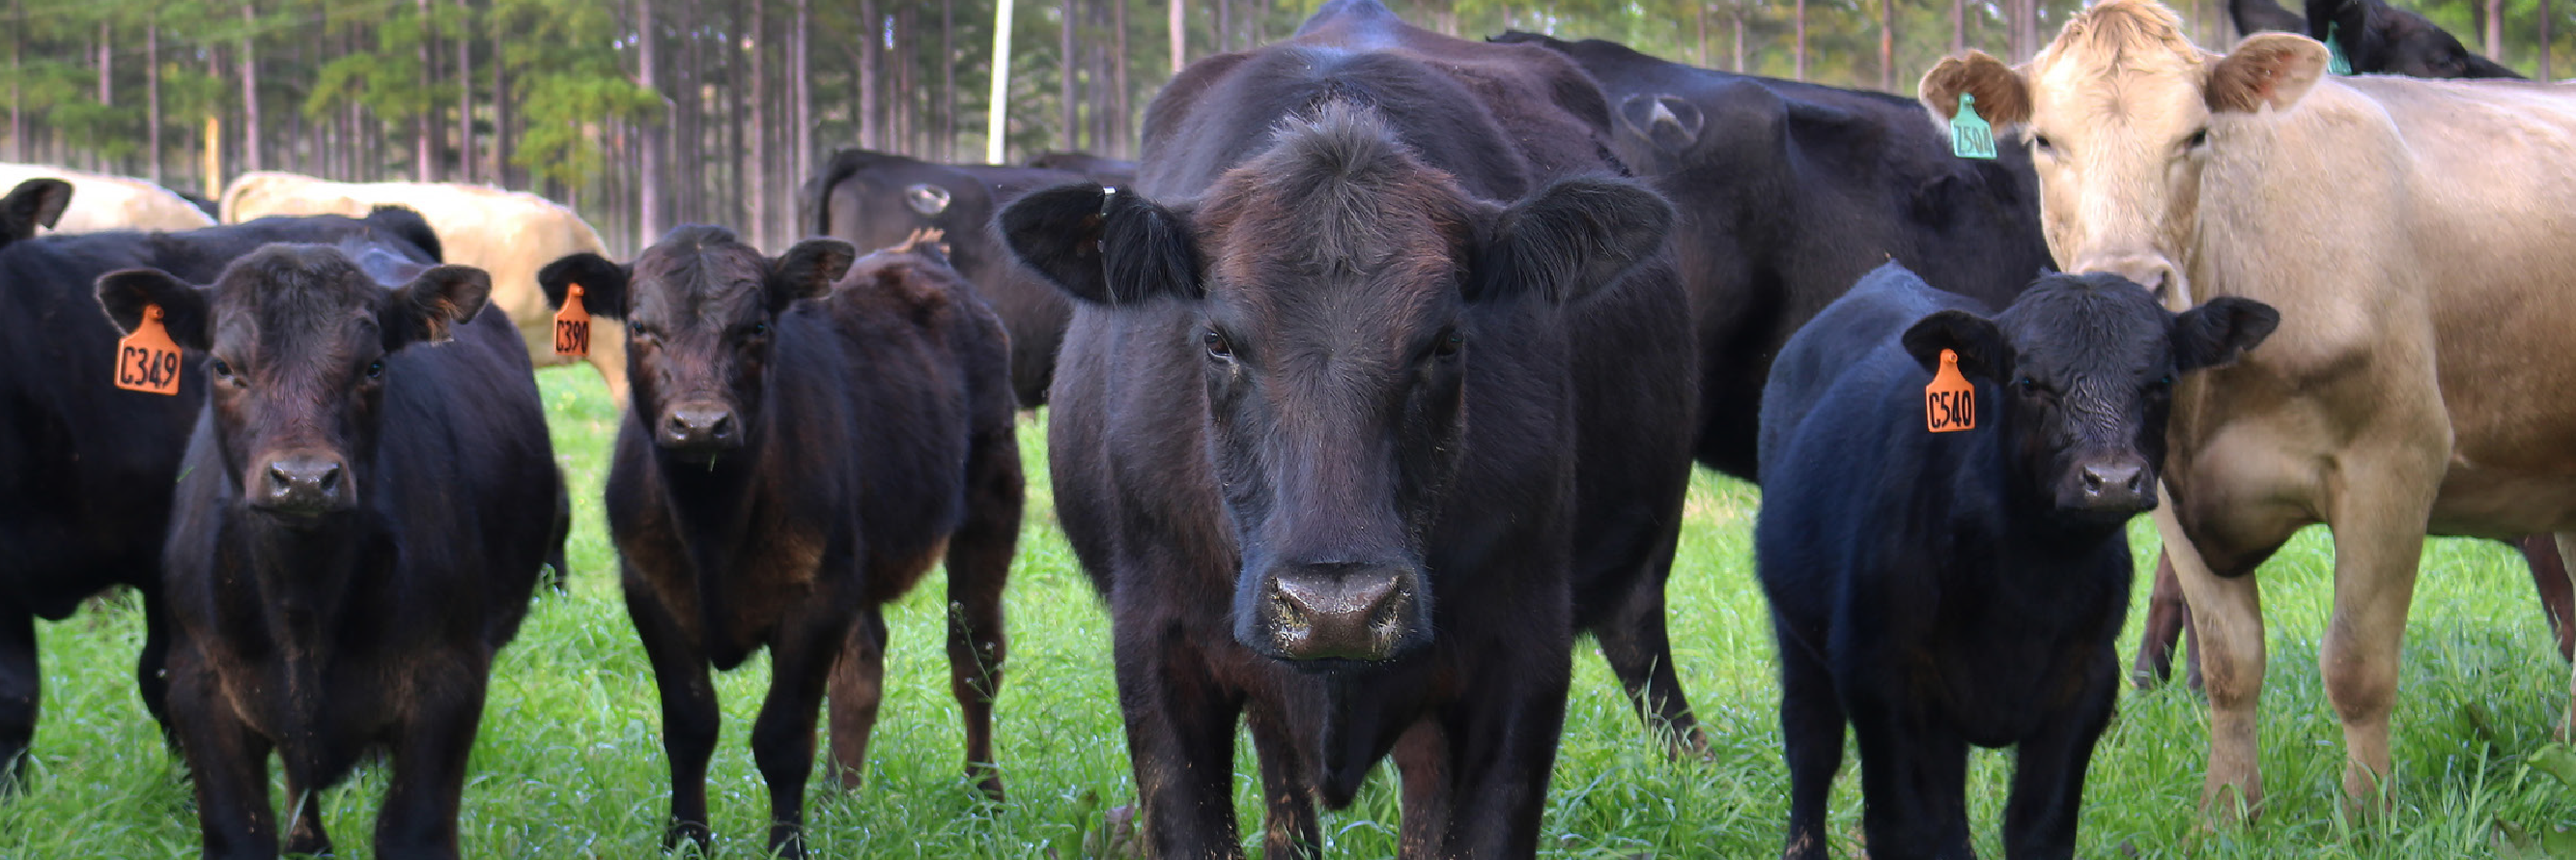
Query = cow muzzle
x=699 y=429
x=1318 y=613
x=303 y=484
x=2152 y=271
x=2114 y=487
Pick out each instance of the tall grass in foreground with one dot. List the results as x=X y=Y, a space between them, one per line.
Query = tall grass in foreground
x=569 y=763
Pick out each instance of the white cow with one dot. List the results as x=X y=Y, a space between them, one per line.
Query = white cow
x=507 y=233
x=104 y=202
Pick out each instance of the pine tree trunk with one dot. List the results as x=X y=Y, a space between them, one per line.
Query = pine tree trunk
x=1959 y=26
x=1887 y=45
x=1123 y=96
x=1739 y=36
x=500 y=107
x=871 y=132
x=737 y=210
x=2495 y=30
x=759 y=44
x=2544 y=42
x=948 y=75
x=801 y=94
x=1224 y=25
x=1180 y=36
x=1801 y=49
x=648 y=185
x=152 y=100
x=424 y=168
x=1699 y=14
x=1069 y=68
x=17 y=105
x=465 y=164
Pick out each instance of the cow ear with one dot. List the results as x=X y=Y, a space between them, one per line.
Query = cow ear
x=1102 y=246
x=2214 y=335
x=1979 y=344
x=1669 y=123
x=34 y=203
x=1570 y=239
x=429 y=309
x=603 y=284
x=2002 y=97
x=2266 y=70
x=124 y=294
x=808 y=270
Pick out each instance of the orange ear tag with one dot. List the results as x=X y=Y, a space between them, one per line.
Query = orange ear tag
x=1949 y=403
x=572 y=325
x=146 y=360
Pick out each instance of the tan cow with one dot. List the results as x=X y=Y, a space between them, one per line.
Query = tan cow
x=2419 y=239
x=106 y=202
x=508 y=233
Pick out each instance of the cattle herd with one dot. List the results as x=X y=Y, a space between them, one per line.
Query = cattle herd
x=1374 y=384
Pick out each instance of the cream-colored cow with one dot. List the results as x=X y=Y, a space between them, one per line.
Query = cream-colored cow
x=2419 y=239
x=508 y=233
x=105 y=202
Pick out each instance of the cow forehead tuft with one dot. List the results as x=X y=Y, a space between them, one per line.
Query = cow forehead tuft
x=1358 y=197
x=295 y=286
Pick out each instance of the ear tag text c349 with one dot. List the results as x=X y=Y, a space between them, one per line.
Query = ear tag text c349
x=147 y=360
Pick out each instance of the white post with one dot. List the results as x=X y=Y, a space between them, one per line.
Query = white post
x=1000 y=107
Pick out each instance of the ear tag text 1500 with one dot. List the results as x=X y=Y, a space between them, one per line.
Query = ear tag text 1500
x=147 y=360
x=572 y=325
x=2336 y=62
x=1949 y=403
x=1970 y=136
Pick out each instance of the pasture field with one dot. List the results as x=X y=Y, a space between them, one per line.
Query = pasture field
x=569 y=762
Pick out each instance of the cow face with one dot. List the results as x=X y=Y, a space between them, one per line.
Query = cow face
x=298 y=341
x=1329 y=295
x=2121 y=113
x=699 y=308
x=2379 y=38
x=2086 y=365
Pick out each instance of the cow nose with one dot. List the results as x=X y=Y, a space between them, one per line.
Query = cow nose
x=2151 y=271
x=304 y=483
x=2116 y=487
x=1341 y=612
x=700 y=425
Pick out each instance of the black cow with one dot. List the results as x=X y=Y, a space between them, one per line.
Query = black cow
x=85 y=467
x=876 y=199
x=1374 y=398
x=1936 y=590
x=1788 y=192
x=358 y=526
x=798 y=454
x=1112 y=172
x=2377 y=38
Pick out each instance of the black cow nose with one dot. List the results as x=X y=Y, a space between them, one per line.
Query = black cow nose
x=304 y=482
x=699 y=425
x=2125 y=478
x=1341 y=612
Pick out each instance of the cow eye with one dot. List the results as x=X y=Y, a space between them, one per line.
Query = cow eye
x=2027 y=385
x=1217 y=346
x=2198 y=139
x=223 y=371
x=1449 y=344
x=376 y=369
x=759 y=329
x=2042 y=143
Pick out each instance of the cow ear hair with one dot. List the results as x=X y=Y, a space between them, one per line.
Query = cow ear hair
x=2003 y=98
x=123 y=295
x=808 y=270
x=1978 y=342
x=1575 y=236
x=2266 y=70
x=2216 y=334
x=603 y=283
x=1101 y=246
x=429 y=309
x=34 y=203
x=1671 y=124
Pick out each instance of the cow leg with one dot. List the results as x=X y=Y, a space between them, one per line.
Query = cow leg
x=1635 y=640
x=152 y=667
x=857 y=687
x=979 y=564
x=428 y=784
x=2048 y=771
x=1914 y=783
x=21 y=688
x=2557 y=587
x=227 y=763
x=1289 y=830
x=1811 y=735
x=304 y=833
x=1501 y=755
x=2228 y=618
x=1422 y=763
x=782 y=737
x=2166 y=614
x=1180 y=738
x=558 y=575
x=688 y=710
x=2567 y=639
x=2379 y=541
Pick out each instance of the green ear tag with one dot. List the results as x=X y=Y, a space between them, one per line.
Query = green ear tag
x=1970 y=136
x=2336 y=63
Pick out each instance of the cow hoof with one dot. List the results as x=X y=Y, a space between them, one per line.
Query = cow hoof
x=687 y=833
x=1116 y=837
x=988 y=782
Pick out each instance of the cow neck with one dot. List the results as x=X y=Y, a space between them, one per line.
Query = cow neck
x=305 y=579
x=714 y=505
x=2013 y=532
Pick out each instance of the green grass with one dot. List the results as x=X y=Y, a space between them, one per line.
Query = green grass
x=569 y=763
